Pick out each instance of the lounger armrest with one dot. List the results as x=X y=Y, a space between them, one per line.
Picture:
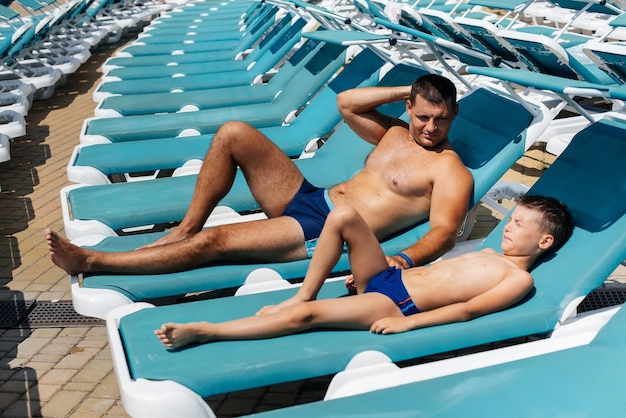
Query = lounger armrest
x=95 y=302
x=84 y=174
x=86 y=138
x=542 y=81
x=75 y=228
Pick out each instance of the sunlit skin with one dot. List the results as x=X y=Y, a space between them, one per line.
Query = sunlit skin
x=451 y=290
x=411 y=174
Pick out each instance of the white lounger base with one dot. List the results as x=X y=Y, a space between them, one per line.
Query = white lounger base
x=374 y=371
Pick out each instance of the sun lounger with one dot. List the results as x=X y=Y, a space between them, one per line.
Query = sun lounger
x=561 y=131
x=5 y=148
x=239 y=61
x=587 y=17
x=313 y=65
x=32 y=47
x=95 y=164
x=175 y=56
x=274 y=47
x=502 y=140
x=224 y=40
x=562 y=281
x=609 y=56
x=43 y=77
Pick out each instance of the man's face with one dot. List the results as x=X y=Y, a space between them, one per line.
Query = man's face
x=430 y=122
x=523 y=234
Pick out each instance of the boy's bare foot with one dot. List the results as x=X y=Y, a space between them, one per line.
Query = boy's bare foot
x=181 y=335
x=66 y=255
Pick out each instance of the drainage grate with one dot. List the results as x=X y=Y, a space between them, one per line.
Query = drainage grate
x=59 y=314
x=42 y=314
x=14 y=312
x=602 y=298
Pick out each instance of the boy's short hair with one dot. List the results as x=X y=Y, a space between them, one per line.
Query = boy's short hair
x=434 y=88
x=555 y=218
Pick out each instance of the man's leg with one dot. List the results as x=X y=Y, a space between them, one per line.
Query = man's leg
x=275 y=239
x=271 y=175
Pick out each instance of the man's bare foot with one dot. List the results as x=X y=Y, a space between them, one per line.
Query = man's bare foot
x=66 y=255
x=270 y=309
x=181 y=335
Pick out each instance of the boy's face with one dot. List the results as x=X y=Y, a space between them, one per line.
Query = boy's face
x=523 y=234
x=429 y=122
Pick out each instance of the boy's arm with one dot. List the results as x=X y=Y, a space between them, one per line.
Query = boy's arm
x=449 y=204
x=509 y=291
x=358 y=109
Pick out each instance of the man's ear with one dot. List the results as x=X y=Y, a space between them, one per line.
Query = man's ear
x=409 y=105
x=547 y=240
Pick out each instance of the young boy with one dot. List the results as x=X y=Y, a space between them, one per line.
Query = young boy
x=391 y=300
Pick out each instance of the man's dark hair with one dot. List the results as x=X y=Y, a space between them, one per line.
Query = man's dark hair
x=434 y=89
x=555 y=220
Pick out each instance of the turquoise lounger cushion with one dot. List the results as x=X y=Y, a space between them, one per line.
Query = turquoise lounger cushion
x=231 y=366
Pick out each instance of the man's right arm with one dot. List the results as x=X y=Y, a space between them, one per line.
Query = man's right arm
x=358 y=109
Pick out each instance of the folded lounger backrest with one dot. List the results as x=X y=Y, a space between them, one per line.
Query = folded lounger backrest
x=610 y=56
x=594 y=191
x=488 y=148
x=548 y=56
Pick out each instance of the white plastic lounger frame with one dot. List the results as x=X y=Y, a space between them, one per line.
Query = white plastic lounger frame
x=379 y=372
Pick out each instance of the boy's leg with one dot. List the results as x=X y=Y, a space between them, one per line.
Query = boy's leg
x=344 y=224
x=355 y=312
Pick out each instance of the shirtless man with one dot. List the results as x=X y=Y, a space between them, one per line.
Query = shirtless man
x=391 y=300
x=411 y=174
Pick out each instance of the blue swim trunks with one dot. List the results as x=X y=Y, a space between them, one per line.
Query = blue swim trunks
x=389 y=283
x=310 y=207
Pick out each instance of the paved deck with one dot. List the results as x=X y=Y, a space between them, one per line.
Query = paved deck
x=60 y=371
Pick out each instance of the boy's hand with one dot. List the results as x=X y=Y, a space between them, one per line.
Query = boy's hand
x=397 y=262
x=350 y=284
x=390 y=325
